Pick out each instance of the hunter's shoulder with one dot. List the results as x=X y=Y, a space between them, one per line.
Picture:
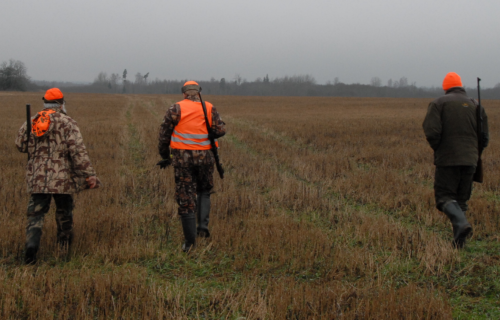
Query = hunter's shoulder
x=453 y=95
x=215 y=111
x=175 y=108
x=65 y=122
x=440 y=100
x=61 y=116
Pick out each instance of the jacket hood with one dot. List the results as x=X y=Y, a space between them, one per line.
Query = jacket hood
x=43 y=121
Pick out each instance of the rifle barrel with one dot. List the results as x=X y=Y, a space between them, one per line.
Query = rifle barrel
x=478 y=90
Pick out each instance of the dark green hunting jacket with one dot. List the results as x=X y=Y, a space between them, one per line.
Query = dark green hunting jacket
x=450 y=126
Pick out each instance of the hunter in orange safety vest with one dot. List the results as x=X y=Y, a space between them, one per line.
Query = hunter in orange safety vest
x=191 y=132
x=184 y=143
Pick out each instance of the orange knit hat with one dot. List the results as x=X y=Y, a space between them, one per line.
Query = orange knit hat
x=53 y=94
x=451 y=80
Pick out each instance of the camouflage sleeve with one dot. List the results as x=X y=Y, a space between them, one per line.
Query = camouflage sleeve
x=218 y=126
x=77 y=152
x=21 y=143
x=170 y=120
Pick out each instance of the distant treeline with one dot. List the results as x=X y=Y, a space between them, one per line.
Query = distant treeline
x=286 y=86
x=13 y=77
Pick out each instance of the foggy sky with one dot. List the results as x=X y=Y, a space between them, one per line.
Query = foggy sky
x=352 y=40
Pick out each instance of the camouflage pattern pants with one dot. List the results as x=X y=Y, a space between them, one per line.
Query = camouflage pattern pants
x=38 y=206
x=453 y=183
x=189 y=181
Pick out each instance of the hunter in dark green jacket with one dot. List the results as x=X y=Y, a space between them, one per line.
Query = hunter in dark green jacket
x=450 y=127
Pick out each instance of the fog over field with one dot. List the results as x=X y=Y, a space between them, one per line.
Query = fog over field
x=354 y=41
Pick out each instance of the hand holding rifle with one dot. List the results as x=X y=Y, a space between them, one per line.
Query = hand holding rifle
x=164 y=163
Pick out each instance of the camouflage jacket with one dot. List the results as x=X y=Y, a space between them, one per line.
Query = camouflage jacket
x=58 y=160
x=185 y=158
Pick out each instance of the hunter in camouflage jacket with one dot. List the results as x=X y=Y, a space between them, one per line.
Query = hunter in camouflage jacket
x=58 y=160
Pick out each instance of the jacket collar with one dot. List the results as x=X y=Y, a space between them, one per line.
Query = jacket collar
x=456 y=90
x=193 y=98
x=55 y=107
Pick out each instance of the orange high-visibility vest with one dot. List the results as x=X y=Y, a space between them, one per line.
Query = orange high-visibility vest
x=191 y=131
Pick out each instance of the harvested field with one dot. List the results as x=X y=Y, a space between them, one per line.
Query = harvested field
x=326 y=212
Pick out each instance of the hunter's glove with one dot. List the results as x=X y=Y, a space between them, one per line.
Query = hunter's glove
x=164 y=163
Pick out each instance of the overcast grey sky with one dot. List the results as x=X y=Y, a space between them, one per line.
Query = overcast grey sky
x=353 y=40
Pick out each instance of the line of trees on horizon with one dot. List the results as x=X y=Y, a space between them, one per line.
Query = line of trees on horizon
x=13 y=77
x=298 y=85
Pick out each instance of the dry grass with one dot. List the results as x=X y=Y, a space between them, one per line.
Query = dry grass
x=326 y=212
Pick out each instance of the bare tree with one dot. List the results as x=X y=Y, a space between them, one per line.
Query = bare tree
x=124 y=77
x=114 y=78
x=237 y=79
x=13 y=76
x=222 y=84
x=101 y=79
x=389 y=83
x=139 y=78
x=376 y=82
x=403 y=82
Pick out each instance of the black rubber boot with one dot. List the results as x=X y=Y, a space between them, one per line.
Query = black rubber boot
x=32 y=244
x=189 y=228
x=203 y=212
x=461 y=228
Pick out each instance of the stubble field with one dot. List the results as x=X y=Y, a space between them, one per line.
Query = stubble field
x=326 y=212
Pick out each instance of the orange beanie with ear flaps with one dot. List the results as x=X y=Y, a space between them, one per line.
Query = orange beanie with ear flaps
x=451 y=80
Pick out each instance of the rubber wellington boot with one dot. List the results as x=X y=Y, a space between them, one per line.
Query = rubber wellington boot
x=32 y=245
x=189 y=228
x=203 y=212
x=461 y=228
